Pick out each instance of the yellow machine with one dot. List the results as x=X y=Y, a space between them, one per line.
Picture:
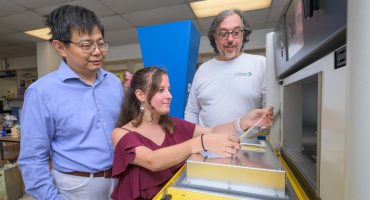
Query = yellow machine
x=255 y=173
x=307 y=84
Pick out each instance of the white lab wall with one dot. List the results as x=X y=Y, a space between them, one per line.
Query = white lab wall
x=127 y=52
x=22 y=62
x=48 y=58
x=124 y=52
x=127 y=56
x=273 y=92
x=357 y=138
x=257 y=39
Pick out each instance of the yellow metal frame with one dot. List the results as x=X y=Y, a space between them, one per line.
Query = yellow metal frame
x=293 y=181
x=169 y=183
x=180 y=194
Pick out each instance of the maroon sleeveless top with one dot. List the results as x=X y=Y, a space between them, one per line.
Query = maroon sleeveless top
x=136 y=182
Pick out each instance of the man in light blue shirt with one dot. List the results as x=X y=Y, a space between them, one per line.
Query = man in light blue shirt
x=69 y=114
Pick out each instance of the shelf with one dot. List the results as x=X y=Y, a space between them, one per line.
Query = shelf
x=8 y=74
x=8 y=77
x=15 y=99
x=16 y=81
x=25 y=77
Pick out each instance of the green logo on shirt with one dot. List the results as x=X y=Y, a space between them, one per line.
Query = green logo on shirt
x=243 y=74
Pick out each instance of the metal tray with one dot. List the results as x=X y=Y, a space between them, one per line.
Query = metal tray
x=254 y=170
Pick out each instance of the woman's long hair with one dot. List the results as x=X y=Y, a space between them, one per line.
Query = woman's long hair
x=147 y=80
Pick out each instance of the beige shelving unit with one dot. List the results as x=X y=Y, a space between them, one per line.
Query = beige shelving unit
x=25 y=77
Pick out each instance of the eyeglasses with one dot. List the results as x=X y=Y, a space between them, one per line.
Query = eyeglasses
x=88 y=47
x=235 y=33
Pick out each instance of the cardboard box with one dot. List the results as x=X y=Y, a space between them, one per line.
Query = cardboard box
x=11 y=151
x=11 y=183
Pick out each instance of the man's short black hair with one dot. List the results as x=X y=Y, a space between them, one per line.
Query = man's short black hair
x=66 y=18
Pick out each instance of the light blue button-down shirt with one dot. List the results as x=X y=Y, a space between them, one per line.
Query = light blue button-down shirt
x=72 y=122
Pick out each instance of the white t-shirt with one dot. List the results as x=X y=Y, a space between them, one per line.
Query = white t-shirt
x=224 y=90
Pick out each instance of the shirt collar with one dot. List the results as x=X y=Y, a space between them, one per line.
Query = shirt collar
x=65 y=72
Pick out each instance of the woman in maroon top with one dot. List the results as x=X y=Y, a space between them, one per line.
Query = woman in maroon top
x=150 y=146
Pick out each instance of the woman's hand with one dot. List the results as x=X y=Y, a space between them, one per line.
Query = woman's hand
x=255 y=115
x=225 y=145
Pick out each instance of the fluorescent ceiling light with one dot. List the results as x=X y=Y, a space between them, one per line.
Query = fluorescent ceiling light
x=209 y=8
x=42 y=33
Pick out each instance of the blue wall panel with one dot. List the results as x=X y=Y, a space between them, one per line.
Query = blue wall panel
x=173 y=46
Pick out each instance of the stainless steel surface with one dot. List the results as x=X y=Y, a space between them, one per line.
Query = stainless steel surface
x=255 y=170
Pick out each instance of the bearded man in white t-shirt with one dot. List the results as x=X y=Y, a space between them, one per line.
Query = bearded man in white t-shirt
x=232 y=83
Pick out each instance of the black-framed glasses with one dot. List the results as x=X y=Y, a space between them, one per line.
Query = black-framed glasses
x=89 y=47
x=235 y=33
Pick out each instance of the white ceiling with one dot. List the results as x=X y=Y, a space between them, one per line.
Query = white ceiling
x=120 y=18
